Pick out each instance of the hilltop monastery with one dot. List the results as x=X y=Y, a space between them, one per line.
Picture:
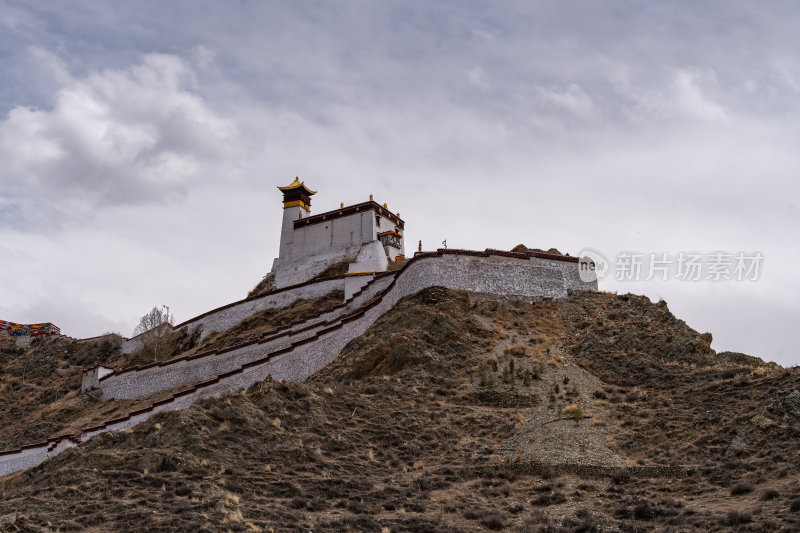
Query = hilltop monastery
x=366 y=235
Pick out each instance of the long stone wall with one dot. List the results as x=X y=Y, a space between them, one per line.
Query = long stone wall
x=143 y=381
x=494 y=273
x=32 y=455
x=500 y=273
x=229 y=315
x=292 y=357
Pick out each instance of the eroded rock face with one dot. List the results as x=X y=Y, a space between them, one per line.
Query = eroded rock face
x=750 y=433
x=792 y=403
x=784 y=412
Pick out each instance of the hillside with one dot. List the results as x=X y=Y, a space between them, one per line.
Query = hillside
x=454 y=411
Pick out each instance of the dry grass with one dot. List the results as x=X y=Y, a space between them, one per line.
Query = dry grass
x=392 y=436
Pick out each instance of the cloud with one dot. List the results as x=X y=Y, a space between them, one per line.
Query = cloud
x=690 y=99
x=787 y=73
x=652 y=129
x=572 y=99
x=685 y=98
x=477 y=77
x=204 y=56
x=114 y=137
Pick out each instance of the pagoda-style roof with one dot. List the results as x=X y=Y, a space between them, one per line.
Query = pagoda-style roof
x=297 y=184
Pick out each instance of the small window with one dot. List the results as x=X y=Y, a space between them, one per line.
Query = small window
x=390 y=238
x=378 y=220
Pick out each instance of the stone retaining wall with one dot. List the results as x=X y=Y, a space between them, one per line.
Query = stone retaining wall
x=229 y=315
x=500 y=273
x=492 y=273
x=143 y=381
x=588 y=470
x=32 y=455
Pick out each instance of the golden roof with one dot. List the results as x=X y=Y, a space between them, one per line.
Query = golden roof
x=297 y=184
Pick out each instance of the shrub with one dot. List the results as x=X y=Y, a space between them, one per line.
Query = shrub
x=526 y=379
x=472 y=514
x=487 y=379
x=494 y=521
x=735 y=518
x=644 y=511
x=575 y=412
x=508 y=375
x=547 y=472
x=741 y=488
x=794 y=506
x=770 y=494
x=620 y=476
x=554 y=498
x=518 y=351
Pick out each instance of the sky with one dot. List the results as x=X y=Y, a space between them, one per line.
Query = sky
x=141 y=144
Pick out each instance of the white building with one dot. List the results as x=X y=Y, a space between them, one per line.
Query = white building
x=366 y=235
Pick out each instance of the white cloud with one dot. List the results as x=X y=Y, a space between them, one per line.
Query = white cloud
x=477 y=77
x=786 y=71
x=678 y=151
x=483 y=36
x=204 y=56
x=684 y=98
x=52 y=64
x=689 y=98
x=573 y=99
x=120 y=136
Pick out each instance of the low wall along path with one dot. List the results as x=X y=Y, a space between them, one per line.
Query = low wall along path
x=300 y=350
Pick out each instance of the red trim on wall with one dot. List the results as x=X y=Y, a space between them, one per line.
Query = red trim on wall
x=347 y=211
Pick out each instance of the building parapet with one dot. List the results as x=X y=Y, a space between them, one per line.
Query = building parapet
x=350 y=210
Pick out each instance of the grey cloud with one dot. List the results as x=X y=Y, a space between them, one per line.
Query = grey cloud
x=115 y=137
x=656 y=127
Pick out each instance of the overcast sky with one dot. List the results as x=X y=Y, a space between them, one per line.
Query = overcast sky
x=141 y=144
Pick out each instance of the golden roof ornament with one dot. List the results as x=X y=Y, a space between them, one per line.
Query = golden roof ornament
x=297 y=184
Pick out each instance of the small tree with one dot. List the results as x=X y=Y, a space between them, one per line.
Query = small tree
x=152 y=330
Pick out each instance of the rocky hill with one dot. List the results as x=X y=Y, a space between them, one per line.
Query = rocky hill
x=454 y=411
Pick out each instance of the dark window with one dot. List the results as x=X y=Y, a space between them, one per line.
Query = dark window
x=390 y=238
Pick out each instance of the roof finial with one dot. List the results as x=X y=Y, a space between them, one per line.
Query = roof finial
x=419 y=248
x=385 y=206
x=297 y=184
x=341 y=205
x=370 y=198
